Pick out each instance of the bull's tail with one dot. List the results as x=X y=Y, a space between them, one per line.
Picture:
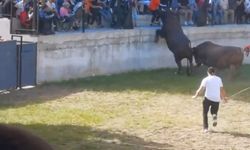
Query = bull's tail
x=189 y=44
x=190 y=60
x=192 y=48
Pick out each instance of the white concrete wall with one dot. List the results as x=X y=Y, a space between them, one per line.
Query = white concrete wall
x=75 y=55
x=5 y=28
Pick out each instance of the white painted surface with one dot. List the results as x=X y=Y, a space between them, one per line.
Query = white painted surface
x=75 y=55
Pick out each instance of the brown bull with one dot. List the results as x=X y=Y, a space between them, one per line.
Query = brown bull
x=221 y=57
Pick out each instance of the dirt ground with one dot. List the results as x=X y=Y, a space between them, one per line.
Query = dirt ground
x=232 y=132
x=173 y=121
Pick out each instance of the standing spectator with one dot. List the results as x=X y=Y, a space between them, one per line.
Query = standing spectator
x=59 y=4
x=88 y=14
x=202 y=17
x=185 y=11
x=200 y=3
x=122 y=14
x=65 y=12
x=232 y=6
x=53 y=10
x=127 y=10
x=95 y=11
x=117 y=14
x=6 y=7
x=25 y=18
x=217 y=13
x=174 y=5
x=20 y=7
x=45 y=20
x=228 y=14
x=194 y=7
x=52 y=6
x=165 y=3
x=239 y=11
x=153 y=7
x=247 y=10
x=134 y=4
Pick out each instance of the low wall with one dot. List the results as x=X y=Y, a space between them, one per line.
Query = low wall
x=75 y=55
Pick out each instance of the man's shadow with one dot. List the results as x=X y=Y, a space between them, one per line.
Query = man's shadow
x=235 y=134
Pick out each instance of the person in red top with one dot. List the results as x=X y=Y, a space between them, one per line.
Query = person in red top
x=25 y=21
x=153 y=7
x=87 y=6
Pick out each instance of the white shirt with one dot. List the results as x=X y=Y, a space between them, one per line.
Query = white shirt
x=20 y=7
x=212 y=85
x=51 y=5
x=247 y=6
x=224 y=4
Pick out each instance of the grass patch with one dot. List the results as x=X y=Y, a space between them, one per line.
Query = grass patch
x=103 y=112
x=163 y=80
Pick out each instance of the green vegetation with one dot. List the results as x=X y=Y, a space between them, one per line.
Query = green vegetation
x=104 y=111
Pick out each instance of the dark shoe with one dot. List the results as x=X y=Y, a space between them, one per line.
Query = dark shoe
x=214 y=120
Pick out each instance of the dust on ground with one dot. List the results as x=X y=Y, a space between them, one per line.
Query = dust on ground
x=174 y=120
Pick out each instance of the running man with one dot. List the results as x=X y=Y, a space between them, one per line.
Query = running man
x=214 y=93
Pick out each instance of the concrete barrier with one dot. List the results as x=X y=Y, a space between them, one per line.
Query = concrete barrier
x=76 y=55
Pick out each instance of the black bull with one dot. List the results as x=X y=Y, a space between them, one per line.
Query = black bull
x=176 y=40
x=218 y=56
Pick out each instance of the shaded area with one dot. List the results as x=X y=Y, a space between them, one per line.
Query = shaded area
x=72 y=137
x=235 y=134
x=160 y=81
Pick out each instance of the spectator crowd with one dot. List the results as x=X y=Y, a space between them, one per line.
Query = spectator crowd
x=64 y=15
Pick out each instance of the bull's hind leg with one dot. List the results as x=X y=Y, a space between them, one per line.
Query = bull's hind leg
x=234 y=71
x=178 y=62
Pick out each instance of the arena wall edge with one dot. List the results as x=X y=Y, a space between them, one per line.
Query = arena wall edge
x=75 y=55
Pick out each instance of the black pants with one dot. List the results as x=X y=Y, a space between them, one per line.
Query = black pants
x=96 y=16
x=214 y=110
x=155 y=16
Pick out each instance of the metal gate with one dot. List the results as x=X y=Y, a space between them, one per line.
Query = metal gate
x=28 y=59
x=8 y=65
x=18 y=64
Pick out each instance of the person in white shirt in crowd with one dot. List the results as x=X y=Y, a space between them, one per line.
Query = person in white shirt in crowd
x=217 y=13
x=186 y=12
x=53 y=10
x=20 y=7
x=247 y=11
x=134 y=4
x=214 y=93
x=228 y=14
x=194 y=7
